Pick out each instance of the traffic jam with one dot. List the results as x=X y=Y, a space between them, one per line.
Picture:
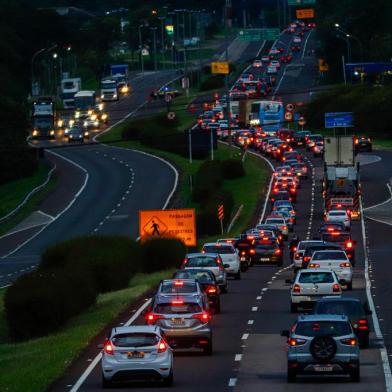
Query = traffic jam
x=330 y=320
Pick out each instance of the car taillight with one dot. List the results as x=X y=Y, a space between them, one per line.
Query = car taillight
x=306 y=259
x=203 y=317
x=211 y=290
x=252 y=252
x=349 y=341
x=162 y=346
x=363 y=325
x=151 y=318
x=278 y=251
x=294 y=249
x=296 y=288
x=297 y=256
x=293 y=190
x=108 y=348
x=345 y=265
x=348 y=245
x=336 y=288
x=314 y=265
x=185 y=262
x=284 y=227
x=295 y=342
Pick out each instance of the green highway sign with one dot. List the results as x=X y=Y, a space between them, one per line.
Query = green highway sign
x=300 y=2
x=250 y=35
x=269 y=34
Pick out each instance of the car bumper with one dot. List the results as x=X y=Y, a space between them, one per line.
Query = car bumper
x=264 y=259
x=310 y=299
x=314 y=368
x=188 y=339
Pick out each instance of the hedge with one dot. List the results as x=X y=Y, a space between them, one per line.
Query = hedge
x=110 y=260
x=41 y=302
x=207 y=179
x=232 y=168
x=162 y=253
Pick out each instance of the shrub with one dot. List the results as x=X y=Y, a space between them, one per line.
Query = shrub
x=208 y=178
x=212 y=82
x=232 y=168
x=110 y=261
x=41 y=302
x=162 y=253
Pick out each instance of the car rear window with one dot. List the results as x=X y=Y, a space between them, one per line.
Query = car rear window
x=303 y=245
x=202 y=261
x=201 y=276
x=317 y=328
x=337 y=213
x=341 y=237
x=316 y=277
x=180 y=287
x=352 y=309
x=224 y=250
x=275 y=221
x=135 y=339
x=329 y=255
x=180 y=308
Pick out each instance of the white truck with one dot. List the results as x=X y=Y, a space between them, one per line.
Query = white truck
x=69 y=87
x=109 y=89
x=43 y=118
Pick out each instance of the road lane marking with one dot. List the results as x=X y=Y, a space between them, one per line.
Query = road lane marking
x=250 y=322
x=238 y=357
x=245 y=336
x=96 y=360
x=254 y=309
x=232 y=382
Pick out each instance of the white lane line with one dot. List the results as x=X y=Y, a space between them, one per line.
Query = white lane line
x=306 y=42
x=245 y=336
x=232 y=382
x=377 y=329
x=86 y=178
x=250 y=322
x=254 y=309
x=265 y=289
x=96 y=360
x=383 y=202
x=238 y=357
x=258 y=298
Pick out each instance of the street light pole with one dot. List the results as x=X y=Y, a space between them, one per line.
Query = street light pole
x=32 y=68
x=141 y=48
x=162 y=18
x=154 y=29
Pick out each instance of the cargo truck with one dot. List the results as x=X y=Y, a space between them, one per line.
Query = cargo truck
x=120 y=73
x=69 y=87
x=43 y=114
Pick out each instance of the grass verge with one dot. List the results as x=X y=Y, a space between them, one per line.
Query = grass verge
x=14 y=193
x=41 y=361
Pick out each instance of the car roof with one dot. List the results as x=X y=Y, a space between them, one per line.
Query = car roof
x=200 y=254
x=168 y=298
x=135 y=329
x=322 y=317
x=218 y=244
x=307 y=270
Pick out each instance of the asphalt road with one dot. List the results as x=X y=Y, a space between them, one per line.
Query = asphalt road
x=249 y=354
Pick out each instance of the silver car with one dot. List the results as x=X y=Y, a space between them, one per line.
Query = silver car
x=322 y=345
x=136 y=353
x=184 y=319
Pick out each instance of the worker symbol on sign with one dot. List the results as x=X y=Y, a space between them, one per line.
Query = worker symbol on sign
x=155 y=228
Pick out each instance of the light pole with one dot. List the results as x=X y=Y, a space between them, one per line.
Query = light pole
x=32 y=68
x=154 y=30
x=349 y=36
x=141 y=48
x=162 y=19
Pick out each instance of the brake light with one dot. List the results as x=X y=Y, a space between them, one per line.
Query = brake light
x=306 y=259
x=296 y=288
x=292 y=190
x=203 y=317
x=277 y=251
x=211 y=290
x=345 y=265
x=178 y=283
x=151 y=318
x=177 y=302
x=162 y=347
x=313 y=265
x=252 y=252
x=108 y=348
x=297 y=256
x=284 y=227
x=348 y=245
x=363 y=325
x=294 y=249
x=295 y=342
x=243 y=253
x=349 y=341
x=336 y=288
x=185 y=262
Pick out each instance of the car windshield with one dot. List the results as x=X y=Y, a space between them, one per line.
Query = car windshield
x=316 y=277
x=135 y=339
x=352 y=309
x=177 y=308
x=223 y=250
x=329 y=256
x=178 y=286
x=202 y=261
x=318 y=328
x=200 y=275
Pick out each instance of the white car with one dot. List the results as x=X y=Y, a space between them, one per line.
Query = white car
x=297 y=40
x=311 y=284
x=229 y=256
x=265 y=59
x=338 y=216
x=257 y=64
x=272 y=70
x=274 y=63
x=131 y=351
x=335 y=260
x=280 y=223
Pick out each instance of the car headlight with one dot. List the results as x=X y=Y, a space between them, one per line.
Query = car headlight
x=35 y=132
x=124 y=89
x=104 y=116
x=93 y=117
x=66 y=131
x=60 y=123
x=90 y=112
x=85 y=124
x=100 y=106
x=86 y=134
x=51 y=132
x=77 y=114
x=71 y=123
x=96 y=123
x=114 y=95
x=102 y=96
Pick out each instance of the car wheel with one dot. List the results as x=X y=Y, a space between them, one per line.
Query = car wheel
x=356 y=375
x=106 y=383
x=350 y=286
x=238 y=276
x=293 y=308
x=168 y=381
x=364 y=341
x=208 y=349
x=291 y=375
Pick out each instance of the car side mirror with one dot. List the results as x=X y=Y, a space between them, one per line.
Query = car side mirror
x=285 y=333
x=226 y=265
x=288 y=281
x=100 y=346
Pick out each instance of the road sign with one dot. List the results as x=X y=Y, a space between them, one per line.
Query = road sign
x=221 y=212
x=300 y=2
x=338 y=120
x=323 y=66
x=306 y=13
x=289 y=107
x=179 y=223
x=168 y=98
x=250 y=35
x=171 y=115
x=301 y=121
x=288 y=116
x=220 y=67
x=297 y=116
x=269 y=34
x=169 y=30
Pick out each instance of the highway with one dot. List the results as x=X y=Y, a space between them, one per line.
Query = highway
x=249 y=353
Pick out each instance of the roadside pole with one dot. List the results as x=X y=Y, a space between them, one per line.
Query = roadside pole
x=228 y=108
x=212 y=144
x=344 y=70
x=190 y=144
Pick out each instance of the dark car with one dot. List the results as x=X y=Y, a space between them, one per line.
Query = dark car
x=291 y=155
x=363 y=143
x=281 y=195
x=299 y=137
x=207 y=282
x=331 y=226
x=245 y=246
x=300 y=169
x=76 y=134
x=353 y=308
x=311 y=141
x=344 y=240
x=267 y=250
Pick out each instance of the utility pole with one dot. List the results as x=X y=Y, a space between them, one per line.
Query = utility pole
x=141 y=48
x=228 y=108
x=154 y=29
x=162 y=19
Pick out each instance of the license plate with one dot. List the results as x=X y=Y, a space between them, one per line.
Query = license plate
x=323 y=368
x=176 y=321
x=135 y=354
x=243 y=258
x=264 y=259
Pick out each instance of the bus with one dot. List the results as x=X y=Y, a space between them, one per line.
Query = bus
x=271 y=115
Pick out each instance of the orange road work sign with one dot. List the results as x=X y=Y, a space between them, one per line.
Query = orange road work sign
x=307 y=13
x=179 y=223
